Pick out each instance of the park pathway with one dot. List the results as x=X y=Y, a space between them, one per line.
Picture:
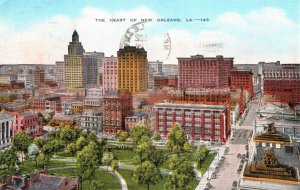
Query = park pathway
x=120 y=178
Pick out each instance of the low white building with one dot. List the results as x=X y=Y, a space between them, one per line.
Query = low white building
x=28 y=80
x=6 y=130
x=91 y=121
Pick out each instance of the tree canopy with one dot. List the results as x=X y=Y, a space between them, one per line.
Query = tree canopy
x=182 y=173
x=147 y=173
x=21 y=142
x=137 y=132
x=176 y=140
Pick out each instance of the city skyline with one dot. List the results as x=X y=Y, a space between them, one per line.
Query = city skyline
x=38 y=32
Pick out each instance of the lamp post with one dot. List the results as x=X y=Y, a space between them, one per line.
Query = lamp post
x=208 y=173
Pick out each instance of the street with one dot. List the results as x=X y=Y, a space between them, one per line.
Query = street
x=227 y=174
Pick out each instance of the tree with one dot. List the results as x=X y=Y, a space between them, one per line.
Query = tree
x=182 y=173
x=68 y=134
x=122 y=136
x=8 y=158
x=200 y=155
x=81 y=142
x=43 y=160
x=87 y=162
x=57 y=145
x=54 y=135
x=71 y=148
x=97 y=185
x=21 y=142
x=188 y=147
x=156 y=136
x=147 y=174
x=34 y=151
x=52 y=146
x=146 y=151
x=115 y=165
x=176 y=140
x=107 y=159
x=137 y=132
x=39 y=142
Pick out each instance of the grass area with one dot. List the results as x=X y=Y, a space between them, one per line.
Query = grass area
x=207 y=162
x=109 y=180
x=123 y=154
x=64 y=155
x=132 y=185
x=29 y=166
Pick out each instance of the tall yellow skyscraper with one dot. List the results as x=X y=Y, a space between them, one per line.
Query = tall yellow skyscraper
x=74 y=63
x=132 y=69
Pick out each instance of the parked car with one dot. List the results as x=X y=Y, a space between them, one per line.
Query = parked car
x=234 y=183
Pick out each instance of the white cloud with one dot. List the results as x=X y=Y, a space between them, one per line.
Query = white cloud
x=261 y=35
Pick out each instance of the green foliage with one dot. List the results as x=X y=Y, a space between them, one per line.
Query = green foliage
x=39 y=142
x=206 y=163
x=21 y=142
x=147 y=173
x=146 y=151
x=87 y=161
x=137 y=132
x=8 y=158
x=97 y=185
x=200 y=155
x=89 y=136
x=115 y=165
x=188 y=147
x=81 y=142
x=176 y=140
x=71 y=148
x=43 y=160
x=122 y=136
x=107 y=158
x=182 y=173
x=68 y=134
x=156 y=137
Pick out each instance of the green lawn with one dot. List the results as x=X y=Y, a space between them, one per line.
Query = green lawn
x=207 y=162
x=123 y=154
x=29 y=166
x=109 y=180
x=64 y=155
x=128 y=176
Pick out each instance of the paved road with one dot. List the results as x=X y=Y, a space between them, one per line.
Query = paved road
x=241 y=136
x=249 y=119
x=228 y=171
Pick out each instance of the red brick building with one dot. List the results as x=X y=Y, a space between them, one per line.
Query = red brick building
x=201 y=96
x=173 y=81
x=47 y=104
x=117 y=105
x=27 y=122
x=204 y=123
x=242 y=79
x=284 y=90
x=12 y=86
x=39 y=76
x=204 y=72
x=283 y=83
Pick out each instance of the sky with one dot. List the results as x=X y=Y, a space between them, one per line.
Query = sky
x=39 y=31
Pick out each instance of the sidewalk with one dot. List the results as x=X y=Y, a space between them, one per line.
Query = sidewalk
x=117 y=175
x=207 y=175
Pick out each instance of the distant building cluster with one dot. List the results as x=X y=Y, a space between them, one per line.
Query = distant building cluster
x=206 y=96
